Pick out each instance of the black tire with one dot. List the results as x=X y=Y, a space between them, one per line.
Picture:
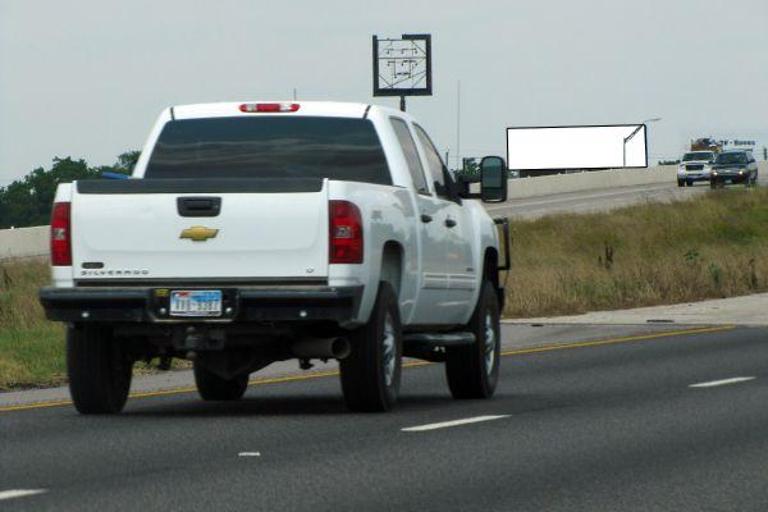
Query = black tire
x=370 y=375
x=689 y=183
x=99 y=370
x=214 y=388
x=473 y=370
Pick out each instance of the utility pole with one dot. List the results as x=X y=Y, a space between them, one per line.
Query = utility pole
x=294 y=94
x=458 y=123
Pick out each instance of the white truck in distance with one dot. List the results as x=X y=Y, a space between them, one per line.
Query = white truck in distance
x=251 y=233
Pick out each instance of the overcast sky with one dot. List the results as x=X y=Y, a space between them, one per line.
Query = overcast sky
x=86 y=78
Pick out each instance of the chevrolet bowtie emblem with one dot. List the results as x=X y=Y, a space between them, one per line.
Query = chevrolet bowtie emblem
x=199 y=233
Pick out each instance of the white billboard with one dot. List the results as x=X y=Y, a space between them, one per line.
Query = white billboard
x=533 y=148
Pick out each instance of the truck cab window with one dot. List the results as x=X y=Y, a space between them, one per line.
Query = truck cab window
x=411 y=155
x=435 y=164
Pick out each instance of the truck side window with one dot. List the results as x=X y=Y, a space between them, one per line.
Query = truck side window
x=434 y=162
x=411 y=155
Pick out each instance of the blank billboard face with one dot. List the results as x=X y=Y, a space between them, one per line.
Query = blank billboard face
x=576 y=147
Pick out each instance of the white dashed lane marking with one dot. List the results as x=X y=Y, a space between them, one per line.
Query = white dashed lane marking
x=454 y=423
x=20 y=493
x=723 y=382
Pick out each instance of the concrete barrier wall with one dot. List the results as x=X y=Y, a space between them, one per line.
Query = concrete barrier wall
x=28 y=242
x=24 y=242
x=590 y=180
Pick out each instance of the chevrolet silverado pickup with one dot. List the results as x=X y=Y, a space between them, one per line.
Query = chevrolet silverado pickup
x=257 y=232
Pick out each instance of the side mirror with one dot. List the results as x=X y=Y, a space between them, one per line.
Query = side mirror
x=493 y=179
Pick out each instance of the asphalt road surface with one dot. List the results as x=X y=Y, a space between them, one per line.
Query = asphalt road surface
x=594 y=200
x=605 y=426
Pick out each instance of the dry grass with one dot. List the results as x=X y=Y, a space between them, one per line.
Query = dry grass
x=711 y=246
x=31 y=348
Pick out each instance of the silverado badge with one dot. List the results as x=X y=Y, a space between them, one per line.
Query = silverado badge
x=199 y=233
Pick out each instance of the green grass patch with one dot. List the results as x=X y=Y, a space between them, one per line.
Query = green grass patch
x=31 y=348
x=32 y=357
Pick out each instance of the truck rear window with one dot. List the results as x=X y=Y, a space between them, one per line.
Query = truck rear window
x=270 y=147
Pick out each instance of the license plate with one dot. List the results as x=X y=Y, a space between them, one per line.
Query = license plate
x=198 y=303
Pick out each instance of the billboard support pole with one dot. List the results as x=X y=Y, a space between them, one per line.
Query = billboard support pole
x=629 y=137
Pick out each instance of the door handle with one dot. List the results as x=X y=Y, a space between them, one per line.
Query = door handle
x=426 y=218
x=450 y=223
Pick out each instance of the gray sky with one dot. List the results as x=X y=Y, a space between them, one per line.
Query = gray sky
x=86 y=78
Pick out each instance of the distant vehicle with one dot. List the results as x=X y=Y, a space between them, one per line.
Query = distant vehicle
x=258 y=232
x=737 y=166
x=695 y=166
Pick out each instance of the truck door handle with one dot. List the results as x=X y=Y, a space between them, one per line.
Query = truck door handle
x=450 y=223
x=198 y=206
x=426 y=218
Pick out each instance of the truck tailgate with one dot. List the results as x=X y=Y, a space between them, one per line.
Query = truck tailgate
x=266 y=229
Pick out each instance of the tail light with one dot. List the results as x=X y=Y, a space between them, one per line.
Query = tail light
x=61 y=235
x=269 y=107
x=346 y=233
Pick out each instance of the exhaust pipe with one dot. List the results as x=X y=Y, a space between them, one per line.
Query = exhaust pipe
x=321 y=348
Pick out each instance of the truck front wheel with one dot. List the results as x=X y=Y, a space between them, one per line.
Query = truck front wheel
x=99 y=370
x=212 y=387
x=370 y=375
x=473 y=370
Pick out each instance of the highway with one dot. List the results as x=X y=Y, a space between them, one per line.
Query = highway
x=600 y=200
x=613 y=425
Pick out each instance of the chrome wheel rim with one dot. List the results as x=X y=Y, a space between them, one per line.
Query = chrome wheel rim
x=390 y=350
x=490 y=344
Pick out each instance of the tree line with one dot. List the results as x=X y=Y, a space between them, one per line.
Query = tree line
x=27 y=201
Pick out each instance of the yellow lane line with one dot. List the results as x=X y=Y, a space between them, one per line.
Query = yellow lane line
x=411 y=364
x=611 y=341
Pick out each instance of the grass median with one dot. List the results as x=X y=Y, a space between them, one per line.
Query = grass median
x=31 y=348
x=713 y=245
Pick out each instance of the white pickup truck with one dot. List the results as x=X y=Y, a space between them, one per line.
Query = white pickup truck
x=251 y=233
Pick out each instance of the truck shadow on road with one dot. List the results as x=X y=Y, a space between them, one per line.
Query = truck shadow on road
x=327 y=405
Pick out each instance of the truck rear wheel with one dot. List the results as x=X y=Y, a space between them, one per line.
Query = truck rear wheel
x=99 y=370
x=370 y=375
x=214 y=388
x=473 y=370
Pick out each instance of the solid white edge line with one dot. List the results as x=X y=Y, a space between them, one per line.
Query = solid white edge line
x=453 y=423
x=20 y=493
x=249 y=454
x=722 y=382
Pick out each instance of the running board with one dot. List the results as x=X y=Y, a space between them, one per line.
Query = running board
x=431 y=347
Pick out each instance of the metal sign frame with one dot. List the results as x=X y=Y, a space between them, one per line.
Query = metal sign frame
x=392 y=90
